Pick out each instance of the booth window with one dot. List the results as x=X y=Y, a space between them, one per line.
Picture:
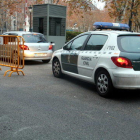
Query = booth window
x=55 y=27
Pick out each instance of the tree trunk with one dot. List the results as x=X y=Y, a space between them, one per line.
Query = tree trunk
x=131 y=16
x=57 y=2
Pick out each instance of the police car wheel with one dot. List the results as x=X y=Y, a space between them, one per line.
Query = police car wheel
x=56 y=68
x=104 y=84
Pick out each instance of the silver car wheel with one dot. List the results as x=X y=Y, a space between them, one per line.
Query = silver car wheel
x=102 y=83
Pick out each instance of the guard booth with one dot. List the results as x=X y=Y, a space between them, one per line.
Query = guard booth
x=50 y=20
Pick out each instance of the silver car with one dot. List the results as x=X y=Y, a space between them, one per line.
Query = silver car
x=36 y=46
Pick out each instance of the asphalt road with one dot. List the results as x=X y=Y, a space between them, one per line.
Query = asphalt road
x=38 y=106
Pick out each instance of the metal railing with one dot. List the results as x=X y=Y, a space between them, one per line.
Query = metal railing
x=12 y=53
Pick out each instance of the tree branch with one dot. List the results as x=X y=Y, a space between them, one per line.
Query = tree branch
x=9 y=4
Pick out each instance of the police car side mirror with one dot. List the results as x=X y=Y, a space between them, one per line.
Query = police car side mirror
x=65 y=48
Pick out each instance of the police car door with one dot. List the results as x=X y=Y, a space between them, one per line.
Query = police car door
x=90 y=54
x=71 y=59
x=65 y=57
x=76 y=47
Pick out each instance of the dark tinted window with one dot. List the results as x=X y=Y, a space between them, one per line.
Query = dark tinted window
x=129 y=43
x=10 y=34
x=79 y=42
x=34 y=38
x=13 y=34
x=96 y=42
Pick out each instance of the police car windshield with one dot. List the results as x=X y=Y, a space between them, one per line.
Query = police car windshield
x=128 y=43
x=34 y=38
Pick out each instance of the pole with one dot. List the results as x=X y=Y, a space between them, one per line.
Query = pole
x=30 y=22
x=14 y=25
x=25 y=14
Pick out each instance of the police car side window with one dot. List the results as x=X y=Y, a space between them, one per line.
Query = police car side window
x=68 y=46
x=96 y=42
x=78 y=42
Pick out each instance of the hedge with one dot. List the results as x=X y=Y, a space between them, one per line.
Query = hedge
x=71 y=34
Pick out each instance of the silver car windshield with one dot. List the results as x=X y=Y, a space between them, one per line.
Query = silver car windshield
x=34 y=38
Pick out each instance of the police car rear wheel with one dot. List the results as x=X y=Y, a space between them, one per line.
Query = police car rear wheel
x=104 y=84
x=56 y=68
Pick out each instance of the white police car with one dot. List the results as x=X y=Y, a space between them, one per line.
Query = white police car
x=106 y=58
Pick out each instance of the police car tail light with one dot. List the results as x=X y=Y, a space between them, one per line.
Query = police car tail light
x=122 y=62
x=50 y=47
x=24 y=47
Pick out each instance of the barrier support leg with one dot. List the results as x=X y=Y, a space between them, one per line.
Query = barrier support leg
x=7 y=71
x=14 y=70
x=0 y=68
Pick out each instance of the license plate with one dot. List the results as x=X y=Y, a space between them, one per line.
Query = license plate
x=40 y=54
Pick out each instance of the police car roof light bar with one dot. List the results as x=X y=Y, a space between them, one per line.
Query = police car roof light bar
x=113 y=26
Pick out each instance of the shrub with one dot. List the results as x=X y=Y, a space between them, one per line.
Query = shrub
x=71 y=34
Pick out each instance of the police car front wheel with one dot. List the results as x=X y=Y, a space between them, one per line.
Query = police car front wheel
x=103 y=83
x=56 y=68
